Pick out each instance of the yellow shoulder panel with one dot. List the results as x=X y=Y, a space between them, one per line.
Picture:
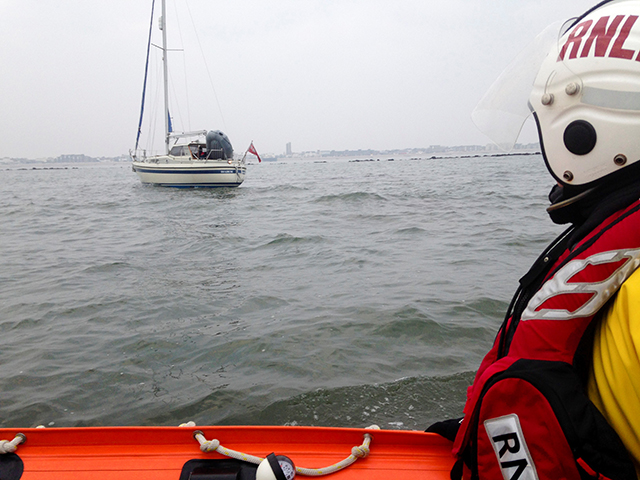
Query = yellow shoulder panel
x=614 y=380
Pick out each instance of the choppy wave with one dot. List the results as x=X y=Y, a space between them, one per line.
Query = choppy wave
x=338 y=293
x=351 y=197
x=408 y=403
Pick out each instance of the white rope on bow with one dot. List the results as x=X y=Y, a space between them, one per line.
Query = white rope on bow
x=7 y=446
x=360 y=451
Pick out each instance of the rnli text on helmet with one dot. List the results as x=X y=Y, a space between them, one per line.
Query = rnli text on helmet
x=601 y=33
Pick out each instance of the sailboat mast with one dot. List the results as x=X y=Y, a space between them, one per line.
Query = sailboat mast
x=163 y=27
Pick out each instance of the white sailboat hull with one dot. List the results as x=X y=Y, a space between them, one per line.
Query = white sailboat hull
x=197 y=173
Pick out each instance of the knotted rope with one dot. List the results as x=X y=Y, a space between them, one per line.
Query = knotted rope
x=7 y=446
x=360 y=451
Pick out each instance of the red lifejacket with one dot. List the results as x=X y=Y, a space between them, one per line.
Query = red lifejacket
x=527 y=415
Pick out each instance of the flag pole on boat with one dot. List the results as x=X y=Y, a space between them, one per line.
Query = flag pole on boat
x=253 y=150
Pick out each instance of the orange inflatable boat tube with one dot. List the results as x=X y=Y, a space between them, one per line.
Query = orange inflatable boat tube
x=174 y=453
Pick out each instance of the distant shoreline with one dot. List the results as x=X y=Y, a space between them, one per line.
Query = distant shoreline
x=510 y=154
x=352 y=155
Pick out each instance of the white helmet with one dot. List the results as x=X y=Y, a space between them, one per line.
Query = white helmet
x=586 y=95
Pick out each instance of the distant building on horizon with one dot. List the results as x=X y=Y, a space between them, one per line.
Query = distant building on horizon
x=289 y=152
x=78 y=158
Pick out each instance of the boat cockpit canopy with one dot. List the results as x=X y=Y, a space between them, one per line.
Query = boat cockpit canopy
x=181 y=151
x=197 y=151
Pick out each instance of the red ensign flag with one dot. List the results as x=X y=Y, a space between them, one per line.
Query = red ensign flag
x=252 y=149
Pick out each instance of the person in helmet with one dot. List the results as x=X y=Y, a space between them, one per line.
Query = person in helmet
x=586 y=102
x=558 y=395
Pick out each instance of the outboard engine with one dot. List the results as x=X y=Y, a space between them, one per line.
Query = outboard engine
x=218 y=146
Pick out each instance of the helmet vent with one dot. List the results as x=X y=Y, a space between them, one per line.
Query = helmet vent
x=620 y=159
x=580 y=137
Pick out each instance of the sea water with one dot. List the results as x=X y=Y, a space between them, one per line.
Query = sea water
x=321 y=292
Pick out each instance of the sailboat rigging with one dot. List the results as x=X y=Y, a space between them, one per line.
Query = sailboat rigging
x=191 y=159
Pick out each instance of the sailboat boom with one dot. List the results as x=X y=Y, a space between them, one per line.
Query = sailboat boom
x=186 y=134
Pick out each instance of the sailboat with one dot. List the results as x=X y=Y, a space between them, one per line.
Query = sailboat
x=190 y=159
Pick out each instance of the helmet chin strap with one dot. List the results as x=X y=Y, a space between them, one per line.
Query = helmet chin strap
x=569 y=201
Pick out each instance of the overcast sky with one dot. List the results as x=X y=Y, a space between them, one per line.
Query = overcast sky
x=321 y=74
